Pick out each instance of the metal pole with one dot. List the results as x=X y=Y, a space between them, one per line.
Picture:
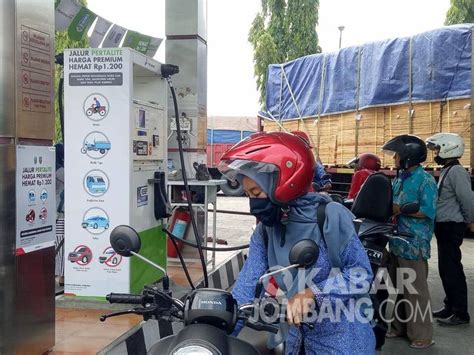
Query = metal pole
x=149 y=262
x=340 y=28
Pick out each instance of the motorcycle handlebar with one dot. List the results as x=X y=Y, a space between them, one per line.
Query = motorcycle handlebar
x=124 y=298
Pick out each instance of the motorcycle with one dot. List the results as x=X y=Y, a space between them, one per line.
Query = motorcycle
x=209 y=315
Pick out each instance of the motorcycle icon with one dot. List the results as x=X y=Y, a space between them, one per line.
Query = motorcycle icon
x=101 y=110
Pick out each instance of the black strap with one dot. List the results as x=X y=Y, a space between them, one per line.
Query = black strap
x=441 y=183
x=265 y=236
x=320 y=216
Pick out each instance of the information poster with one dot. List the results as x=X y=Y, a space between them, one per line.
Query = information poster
x=97 y=166
x=35 y=198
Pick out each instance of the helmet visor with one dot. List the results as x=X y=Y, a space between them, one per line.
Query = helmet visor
x=264 y=174
x=231 y=168
x=389 y=152
x=432 y=146
x=353 y=162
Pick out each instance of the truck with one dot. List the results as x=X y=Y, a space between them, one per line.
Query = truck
x=353 y=100
x=222 y=133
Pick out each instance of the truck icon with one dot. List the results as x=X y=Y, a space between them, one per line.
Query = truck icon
x=96 y=146
x=96 y=184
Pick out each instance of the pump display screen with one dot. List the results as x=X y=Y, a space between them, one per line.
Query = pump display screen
x=141 y=119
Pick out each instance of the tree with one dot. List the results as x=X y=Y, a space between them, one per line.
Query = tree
x=284 y=30
x=461 y=11
x=62 y=41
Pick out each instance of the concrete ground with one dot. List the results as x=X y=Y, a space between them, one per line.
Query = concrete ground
x=456 y=340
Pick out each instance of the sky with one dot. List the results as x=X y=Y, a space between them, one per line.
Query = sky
x=231 y=85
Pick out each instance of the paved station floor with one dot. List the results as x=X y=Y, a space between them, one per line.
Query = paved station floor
x=80 y=331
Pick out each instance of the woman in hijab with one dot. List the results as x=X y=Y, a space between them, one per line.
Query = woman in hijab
x=326 y=311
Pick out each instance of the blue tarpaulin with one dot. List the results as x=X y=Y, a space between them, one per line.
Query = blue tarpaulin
x=430 y=66
x=226 y=136
x=384 y=73
x=340 y=86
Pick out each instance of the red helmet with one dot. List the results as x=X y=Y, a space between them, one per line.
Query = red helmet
x=281 y=163
x=368 y=161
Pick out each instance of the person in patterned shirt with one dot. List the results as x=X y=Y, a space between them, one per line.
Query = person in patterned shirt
x=413 y=184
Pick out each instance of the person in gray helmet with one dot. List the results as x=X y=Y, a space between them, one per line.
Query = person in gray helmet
x=454 y=214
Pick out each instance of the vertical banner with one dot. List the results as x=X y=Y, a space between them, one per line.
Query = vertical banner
x=97 y=104
x=66 y=10
x=153 y=46
x=114 y=37
x=35 y=198
x=98 y=34
x=81 y=23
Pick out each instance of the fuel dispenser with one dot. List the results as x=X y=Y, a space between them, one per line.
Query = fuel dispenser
x=115 y=164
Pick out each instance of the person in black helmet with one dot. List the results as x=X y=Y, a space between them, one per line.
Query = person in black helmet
x=412 y=184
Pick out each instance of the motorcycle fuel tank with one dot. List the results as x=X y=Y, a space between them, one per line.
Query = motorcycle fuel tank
x=211 y=306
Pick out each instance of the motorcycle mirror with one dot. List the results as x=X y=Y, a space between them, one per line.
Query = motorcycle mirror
x=305 y=253
x=410 y=208
x=125 y=240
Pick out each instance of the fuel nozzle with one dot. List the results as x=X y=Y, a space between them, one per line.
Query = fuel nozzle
x=166 y=283
x=169 y=69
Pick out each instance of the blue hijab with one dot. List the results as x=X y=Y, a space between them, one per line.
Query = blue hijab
x=302 y=224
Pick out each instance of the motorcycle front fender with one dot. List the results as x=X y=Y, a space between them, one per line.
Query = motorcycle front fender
x=216 y=340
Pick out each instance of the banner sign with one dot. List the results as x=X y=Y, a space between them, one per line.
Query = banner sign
x=97 y=85
x=137 y=41
x=98 y=34
x=66 y=10
x=81 y=23
x=153 y=46
x=35 y=198
x=77 y=20
x=114 y=37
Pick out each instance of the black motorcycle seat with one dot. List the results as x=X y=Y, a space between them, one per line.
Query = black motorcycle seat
x=374 y=200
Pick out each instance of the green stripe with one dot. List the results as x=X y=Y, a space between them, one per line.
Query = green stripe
x=154 y=248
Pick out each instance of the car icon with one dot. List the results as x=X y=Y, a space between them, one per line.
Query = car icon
x=43 y=214
x=96 y=222
x=44 y=195
x=109 y=254
x=83 y=254
x=30 y=217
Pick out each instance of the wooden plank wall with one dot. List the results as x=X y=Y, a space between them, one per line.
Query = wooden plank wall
x=334 y=136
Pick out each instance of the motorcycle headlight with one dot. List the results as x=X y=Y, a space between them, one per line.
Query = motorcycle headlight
x=193 y=350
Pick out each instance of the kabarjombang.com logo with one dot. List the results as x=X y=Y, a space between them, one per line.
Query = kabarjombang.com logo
x=349 y=295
